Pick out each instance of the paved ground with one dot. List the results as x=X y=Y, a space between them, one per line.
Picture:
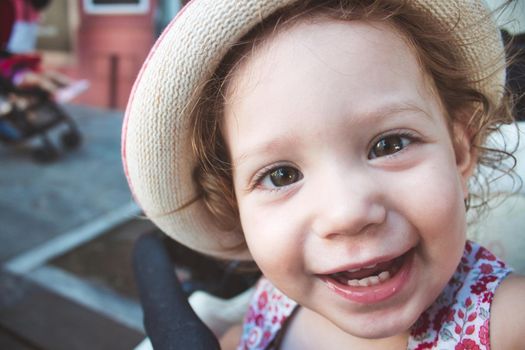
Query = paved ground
x=42 y=201
x=67 y=229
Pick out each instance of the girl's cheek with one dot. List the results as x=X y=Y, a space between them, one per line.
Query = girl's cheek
x=438 y=199
x=270 y=231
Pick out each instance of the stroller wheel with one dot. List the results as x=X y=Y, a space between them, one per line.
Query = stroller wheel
x=71 y=139
x=45 y=153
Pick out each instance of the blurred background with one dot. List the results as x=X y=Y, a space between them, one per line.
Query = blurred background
x=67 y=219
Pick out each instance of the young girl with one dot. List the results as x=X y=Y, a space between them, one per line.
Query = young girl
x=332 y=142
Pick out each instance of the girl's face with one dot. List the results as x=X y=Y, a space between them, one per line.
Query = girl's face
x=349 y=188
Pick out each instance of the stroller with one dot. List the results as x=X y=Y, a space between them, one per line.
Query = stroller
x=31 y=113
x=27 y=113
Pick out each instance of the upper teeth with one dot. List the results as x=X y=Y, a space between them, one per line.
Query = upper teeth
x=362 y=268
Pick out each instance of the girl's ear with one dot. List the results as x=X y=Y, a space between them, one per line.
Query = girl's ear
x=466 y=154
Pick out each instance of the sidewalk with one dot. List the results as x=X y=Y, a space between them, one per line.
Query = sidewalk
x=50 y=216
x=41 y=201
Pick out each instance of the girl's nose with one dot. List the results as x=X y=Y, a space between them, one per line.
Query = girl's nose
x=349 y=205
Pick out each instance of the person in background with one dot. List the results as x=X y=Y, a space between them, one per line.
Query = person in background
x=20 y=64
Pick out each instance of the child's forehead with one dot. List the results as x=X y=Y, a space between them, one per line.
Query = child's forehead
x=315 y=43
x=324 y=70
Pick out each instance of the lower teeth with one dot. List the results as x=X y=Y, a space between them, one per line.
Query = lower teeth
x=370 y=281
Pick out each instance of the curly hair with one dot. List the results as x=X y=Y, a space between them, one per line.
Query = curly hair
x=453 y=82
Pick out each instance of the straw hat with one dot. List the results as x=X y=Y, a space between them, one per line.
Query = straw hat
x=156 y=147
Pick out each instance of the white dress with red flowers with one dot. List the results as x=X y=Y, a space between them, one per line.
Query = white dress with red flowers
x=458 y=319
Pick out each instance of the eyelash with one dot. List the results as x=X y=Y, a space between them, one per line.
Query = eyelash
x=266 y=171
x=403 y=134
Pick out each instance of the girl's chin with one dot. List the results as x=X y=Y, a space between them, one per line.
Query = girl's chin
x=376 y=330
x=385 y=321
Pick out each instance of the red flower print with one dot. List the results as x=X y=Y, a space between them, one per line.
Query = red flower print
x=486 y=268
x=263 y=300
x=467 y=344
x=440 y=317
x=259 y=320
x=461 y=314
x=487 y=279
x=468 y=302
x=425 y=345
x=421 y=326
x=266 y=336
x=487 y=297
x=450 y=315
x=485 y=254
x=478 y=288
x=484 y=334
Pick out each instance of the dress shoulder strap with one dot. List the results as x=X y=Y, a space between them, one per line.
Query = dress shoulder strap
x=459 y=319
x=267 y=313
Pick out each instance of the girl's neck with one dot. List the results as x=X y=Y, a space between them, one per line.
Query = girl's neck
x=309 y=330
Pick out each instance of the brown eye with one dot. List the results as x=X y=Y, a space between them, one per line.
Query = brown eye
x=284 y=176
x=388 y=145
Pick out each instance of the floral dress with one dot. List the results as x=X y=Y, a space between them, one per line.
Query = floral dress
x=458 y=319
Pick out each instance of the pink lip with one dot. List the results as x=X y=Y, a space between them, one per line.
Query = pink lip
x=373 y=294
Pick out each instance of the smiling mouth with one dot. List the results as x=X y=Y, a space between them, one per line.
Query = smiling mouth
x=374 y=283
x=371 y=275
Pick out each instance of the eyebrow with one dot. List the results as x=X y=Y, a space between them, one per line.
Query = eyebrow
x=271 y=146
x=395 y=108
x=372 y=116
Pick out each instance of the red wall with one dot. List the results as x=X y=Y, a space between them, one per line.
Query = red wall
x=110 y=52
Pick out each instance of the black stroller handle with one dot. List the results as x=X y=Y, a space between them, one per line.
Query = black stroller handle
x=169 y=320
